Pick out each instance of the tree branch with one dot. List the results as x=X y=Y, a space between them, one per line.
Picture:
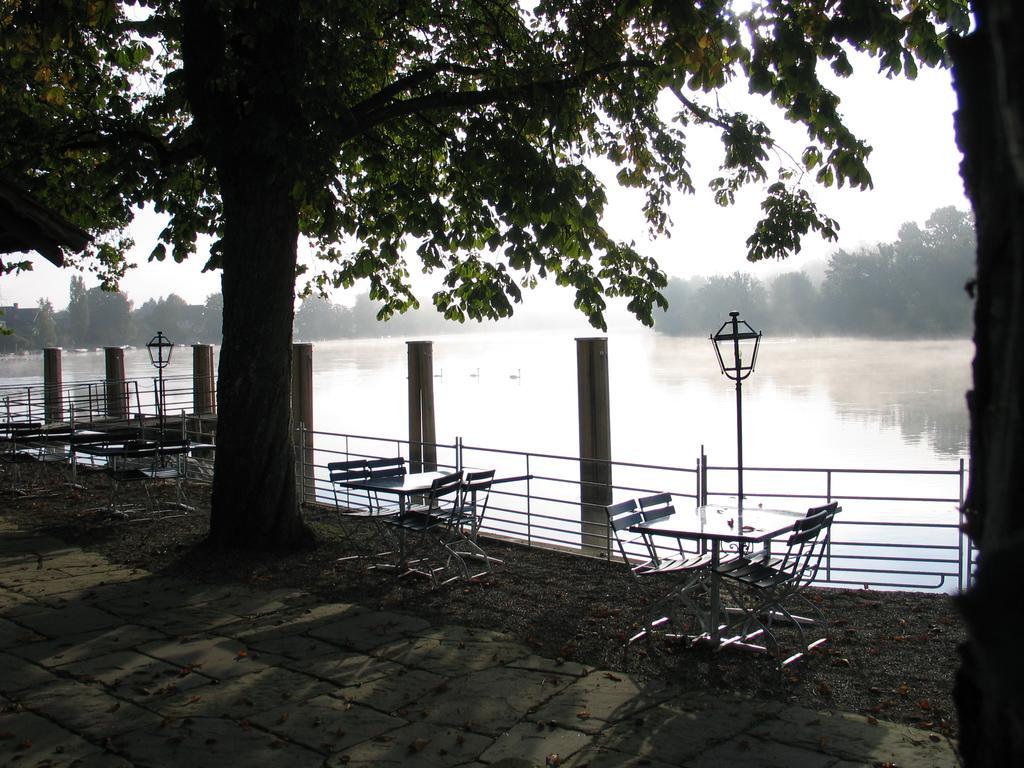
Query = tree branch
x=457 y=100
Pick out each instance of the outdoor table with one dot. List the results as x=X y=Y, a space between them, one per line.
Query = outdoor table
x=120 y=452
x=404 y=487
x=712 y=526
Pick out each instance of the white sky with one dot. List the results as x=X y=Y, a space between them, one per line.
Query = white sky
x=915 y=167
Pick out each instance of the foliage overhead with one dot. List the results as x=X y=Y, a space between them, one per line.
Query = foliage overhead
x=456 y=130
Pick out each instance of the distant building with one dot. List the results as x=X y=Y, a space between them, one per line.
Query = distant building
x=21 y=323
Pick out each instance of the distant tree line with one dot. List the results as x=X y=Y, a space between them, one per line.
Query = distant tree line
x=97 y=318
x=913 y=287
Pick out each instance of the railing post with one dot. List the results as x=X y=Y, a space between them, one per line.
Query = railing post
x=53 y=403
x=595 y=443
x=422 y=427
x=204 y=391
x=703 y=477
x=963 y=580
x=529 y=506
x=302 y=414
x=116 y=396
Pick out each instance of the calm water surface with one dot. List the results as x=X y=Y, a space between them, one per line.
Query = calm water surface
x=811 y=402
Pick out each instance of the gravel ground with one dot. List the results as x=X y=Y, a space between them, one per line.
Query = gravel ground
x=890 y=655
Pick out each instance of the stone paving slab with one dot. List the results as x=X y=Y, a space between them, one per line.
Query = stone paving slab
x=217 y=657
x=555 y=666
x=601 y=698
x=368 y=630
x=140 y=670
x=391 y=692
x=212 y=743
x=451 y=656
x=679 y=730
x=534 y=743
x=327 y=724
x=14 y=635
x=86 y=709
x=490 y=701
x=68 y=620
x=347 y=669
x=138 y=677
x=17 y=674
x=847 y=735
x=31 y=740
x=752 y=752
x=243 y=697
x=601 y=757
x=293 y=646
x=418 y=744
x=67 y=650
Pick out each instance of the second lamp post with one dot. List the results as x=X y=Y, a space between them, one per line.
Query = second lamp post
x=736 y=346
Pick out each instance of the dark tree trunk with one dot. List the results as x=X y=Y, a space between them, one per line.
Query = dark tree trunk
x=254 y=501
x=990 y=131
x=242 y=70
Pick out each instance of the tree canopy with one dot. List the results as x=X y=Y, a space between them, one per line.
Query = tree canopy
x=459 y=134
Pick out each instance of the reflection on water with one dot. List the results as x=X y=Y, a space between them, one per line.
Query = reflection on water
x=811 y=402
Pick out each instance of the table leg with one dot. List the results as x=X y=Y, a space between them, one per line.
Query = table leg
x=715 y=597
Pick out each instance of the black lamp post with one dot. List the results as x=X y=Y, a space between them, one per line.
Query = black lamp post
x=160 y=348
x=736 y=346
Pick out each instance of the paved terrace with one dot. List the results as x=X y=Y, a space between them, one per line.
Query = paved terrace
x=102 y=665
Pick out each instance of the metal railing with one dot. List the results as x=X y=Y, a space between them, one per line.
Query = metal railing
x=899 y=529
x=96 y=400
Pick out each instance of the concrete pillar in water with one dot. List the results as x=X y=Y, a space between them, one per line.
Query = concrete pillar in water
x=422 y=429
x=204 y=390
x=53 y=386
x=302 y=414
x=595 y=442
x=116 y=395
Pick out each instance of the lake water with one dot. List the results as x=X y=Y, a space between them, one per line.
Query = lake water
x=811 y=402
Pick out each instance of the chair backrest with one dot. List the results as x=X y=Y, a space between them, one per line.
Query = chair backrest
x=620 y=517
x=656 y=507
x=476 y=492
x=389 y=467
x=444 y=498
x=341 y=471
x=808 y=542
x=344 y=471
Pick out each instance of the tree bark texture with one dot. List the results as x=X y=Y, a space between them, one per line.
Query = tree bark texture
x=990 y=131
x=241 y=72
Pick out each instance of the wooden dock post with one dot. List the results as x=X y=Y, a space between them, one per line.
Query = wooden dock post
x=422 y=429
x=115 y=386
x=595 y=443
x=204 y=390
x=302 y=419
x=53 y=386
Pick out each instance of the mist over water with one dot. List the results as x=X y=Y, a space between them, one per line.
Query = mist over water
x=811 y=402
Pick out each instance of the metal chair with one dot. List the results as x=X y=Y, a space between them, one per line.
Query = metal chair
x=350 y=503
x=392 y=466
x=643 y=560
x=467 y=519
x=430 y=528
x=773 y=583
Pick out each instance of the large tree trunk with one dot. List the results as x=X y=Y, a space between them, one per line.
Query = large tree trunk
x=242 y=71
x=990 y=131
x=254 y=500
